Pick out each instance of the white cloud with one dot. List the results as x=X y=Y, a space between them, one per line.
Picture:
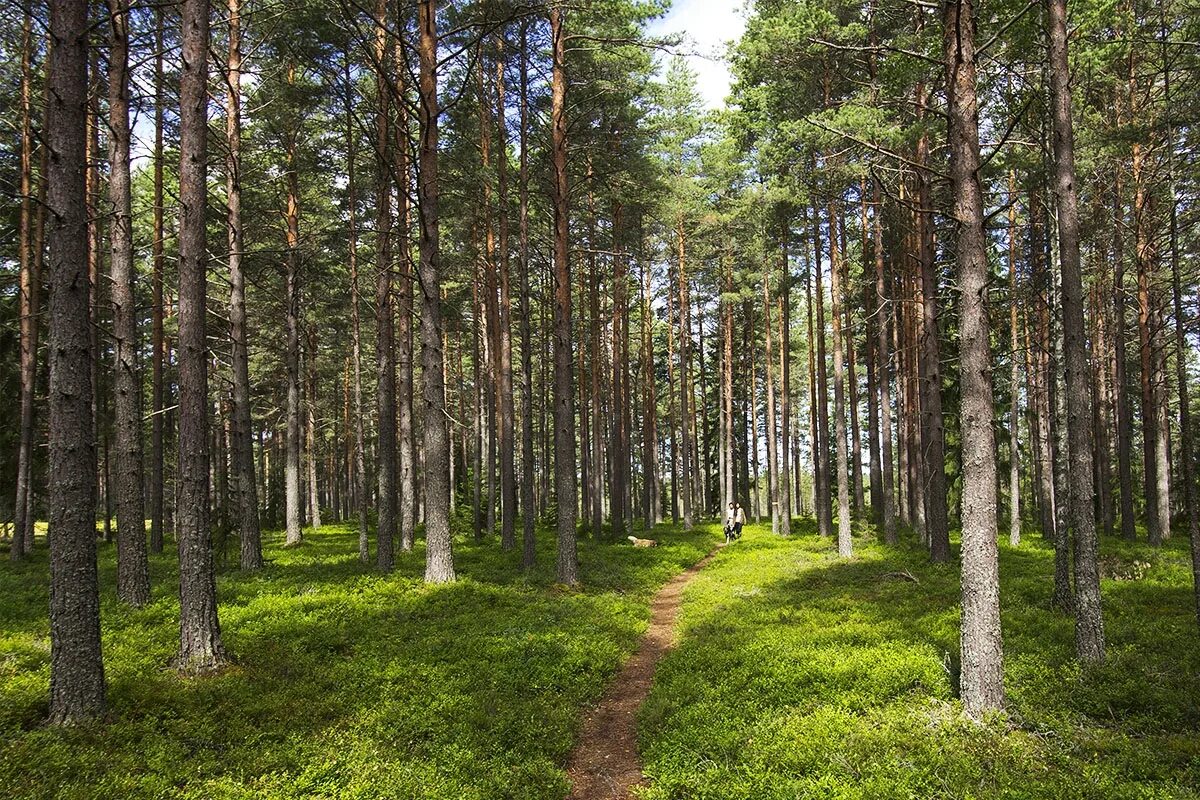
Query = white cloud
x=707 y=26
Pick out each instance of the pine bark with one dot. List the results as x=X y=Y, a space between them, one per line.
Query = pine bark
x=1155 y=525
x=200 y=647
x=158 y=310
x=882 y=359
x=507 y=421
x=845 y=544
x=360 y=460
x=28 y=301
x=1089 y=623
x=439 y=557
x=982 y=677
x=1014 y=421
x=564 y=414
x=528 y=464
x=385 y=318
x=933 y=431
x=77 y=692
x=133 y=570
x=242 y=433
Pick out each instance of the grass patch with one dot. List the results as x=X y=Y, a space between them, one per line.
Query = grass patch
x=800 y=675
x=347 y=683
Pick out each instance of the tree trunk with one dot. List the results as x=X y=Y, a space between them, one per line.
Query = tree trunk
x=785 y=378
x=982 y=679
x=439 y=557
x=360 y=465
x=407 y=451
x=651 y=507
x=845 y=544
x=133 y=571
x=619 y=455
x=28 y=300
x=385 y=318
x=507 y=422
x=769 y=391
x=200 y=647
x=882 y=359
x=243 y=433
x=822 y=493
x=1014 y=424
x=310 y=429
x=685 y=367
x=158 y=309
x=564 y=414
x=76 y=667
x=1089 y=624
x=1142 y=212
x=528 y=466
x=933 y=430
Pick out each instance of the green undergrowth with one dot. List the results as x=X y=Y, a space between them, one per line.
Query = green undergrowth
x=801 y=675
x=345 y=683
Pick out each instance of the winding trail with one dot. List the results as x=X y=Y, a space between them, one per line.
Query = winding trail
x=604 y=764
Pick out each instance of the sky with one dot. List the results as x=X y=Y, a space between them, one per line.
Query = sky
x=706 y=25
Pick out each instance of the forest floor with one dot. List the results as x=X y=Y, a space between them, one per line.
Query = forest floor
x=802 y=675
x=347 y=683
x=796 y=674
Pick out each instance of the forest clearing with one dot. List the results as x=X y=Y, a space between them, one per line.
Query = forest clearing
x=599 y=399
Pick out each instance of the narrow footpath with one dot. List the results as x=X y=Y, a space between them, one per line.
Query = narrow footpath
x=605 y=763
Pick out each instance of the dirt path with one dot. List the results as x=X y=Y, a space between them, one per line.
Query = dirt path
x=604 y=764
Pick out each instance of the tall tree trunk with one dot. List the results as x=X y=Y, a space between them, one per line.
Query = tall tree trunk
x=1014 y=421
x=28 y=300
x=856 y=478
x=785 y=377
x=933 y=431
x=1121 y=390
x=1089 y=624
x=528 y=465
x=243 y=433
x=619 y=456
x=1186 y=453
x=822 y=493
x=726 y=459
x=845 y=544
x=769 y=391
x=882 y=359
x=1142 y=213
x=686 y=417
x=76 y=666
x=595 y=370
x=292 y=493
x=385 y=318
x=310 y=429
x=406 y=444
x=982 y=679
x=651 y=507
x=564 y=414
x=200 y=647
x=133 y=571
x=872 y=361
x=360 y=459
x=508 y=469
x=439 y=557
x=158 y=307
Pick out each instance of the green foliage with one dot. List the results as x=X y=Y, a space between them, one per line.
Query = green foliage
x=802 y=676
x=346 y=683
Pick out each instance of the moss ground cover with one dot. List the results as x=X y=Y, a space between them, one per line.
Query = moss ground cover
x=799 y=675
x=346 y=683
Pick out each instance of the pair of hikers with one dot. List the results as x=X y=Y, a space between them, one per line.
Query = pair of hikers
x=735 y=518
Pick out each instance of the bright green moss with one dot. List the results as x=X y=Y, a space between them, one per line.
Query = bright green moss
x=347 y=683
x=802 y=676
